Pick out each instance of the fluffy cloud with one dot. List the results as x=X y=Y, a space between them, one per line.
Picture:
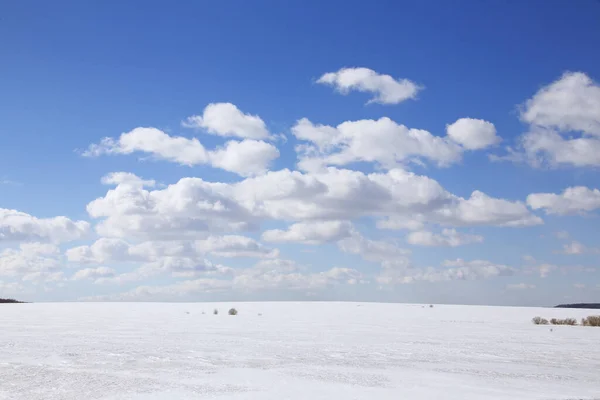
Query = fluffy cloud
x=179 y=258
x=473 y=134
x=454 y=270
x=266 y=275
x=401 y=223
x=225 y=119
x=388 y=253
x=385 y=88
x=564 y=119
x=106 y=250
x=448 y=237
x=22 y=227
x=231 y=246
x=193 y=206
x=30 y=261
x=481 y=209
x=573 y=200
x=316 y=232
x=94 y=273
x=246 y=157
x=572 y=103
x=388 y=143
x=382 y=141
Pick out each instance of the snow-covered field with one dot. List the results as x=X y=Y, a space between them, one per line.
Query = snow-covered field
x=294 y=351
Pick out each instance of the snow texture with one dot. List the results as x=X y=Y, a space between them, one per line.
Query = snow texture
x=295 y=351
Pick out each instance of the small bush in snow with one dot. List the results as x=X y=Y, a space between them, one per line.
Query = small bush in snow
x=566 y=321
x=233 y=311
x=431 y=306
x=540 y=321
x=592 y=320
x=215 y=312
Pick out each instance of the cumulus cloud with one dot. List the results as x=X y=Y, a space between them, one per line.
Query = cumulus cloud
x=106 y=250
x=453 y=270
x=193 y=206
x=225 y=119
x=572 y=103
x=386 y=252
x=473 y=134
x=22 y=227
x=412 y=223
x=246 y=157
x=315 y=232
x=448 y=237
x=381 y=141
x=481 y=209
x=388 y=143
x=93 y=273
x=573 y=200
x=266 y=275
x=564 y=124
x=386 y=89
x=31 y=261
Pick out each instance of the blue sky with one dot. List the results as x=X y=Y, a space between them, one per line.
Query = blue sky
x=74 y=73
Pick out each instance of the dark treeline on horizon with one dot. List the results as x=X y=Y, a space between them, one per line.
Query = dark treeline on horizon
x=580 y=305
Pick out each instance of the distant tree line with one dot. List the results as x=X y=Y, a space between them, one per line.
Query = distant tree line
x=10 y=301
x=580 y=305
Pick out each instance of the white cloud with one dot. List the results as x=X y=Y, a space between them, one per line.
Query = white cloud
x=126 y=178
x=576 y=248
x=193 y=206
x=564 y=119
x=94 y=273
x=381 y=141
x=448 y=237
x=179 y=258
x=473 y=134
x=12 y=288
x=385 y=88
x=520 y=286
x=386 y=252
x=573 y=200
x=401 y=223
x=543 y=269
x=22 y=227
x=30 y=260
x=44 y=276
x=315 y=232
x=572 y=103
x=562 y=234
x=481 y=209
x=232 y=246
x=266 y=275
x=225 y=119
x=455 y=270
x=106 y=250
x=579 y=286
x=246 y=157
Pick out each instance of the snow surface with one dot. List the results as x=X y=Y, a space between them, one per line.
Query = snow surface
x=156 y=351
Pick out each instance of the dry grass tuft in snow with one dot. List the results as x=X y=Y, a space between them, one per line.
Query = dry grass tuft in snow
x=565 y=321
x=539 y=321
x=592 y=320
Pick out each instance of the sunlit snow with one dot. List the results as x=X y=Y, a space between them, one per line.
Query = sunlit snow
x=296 y=351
